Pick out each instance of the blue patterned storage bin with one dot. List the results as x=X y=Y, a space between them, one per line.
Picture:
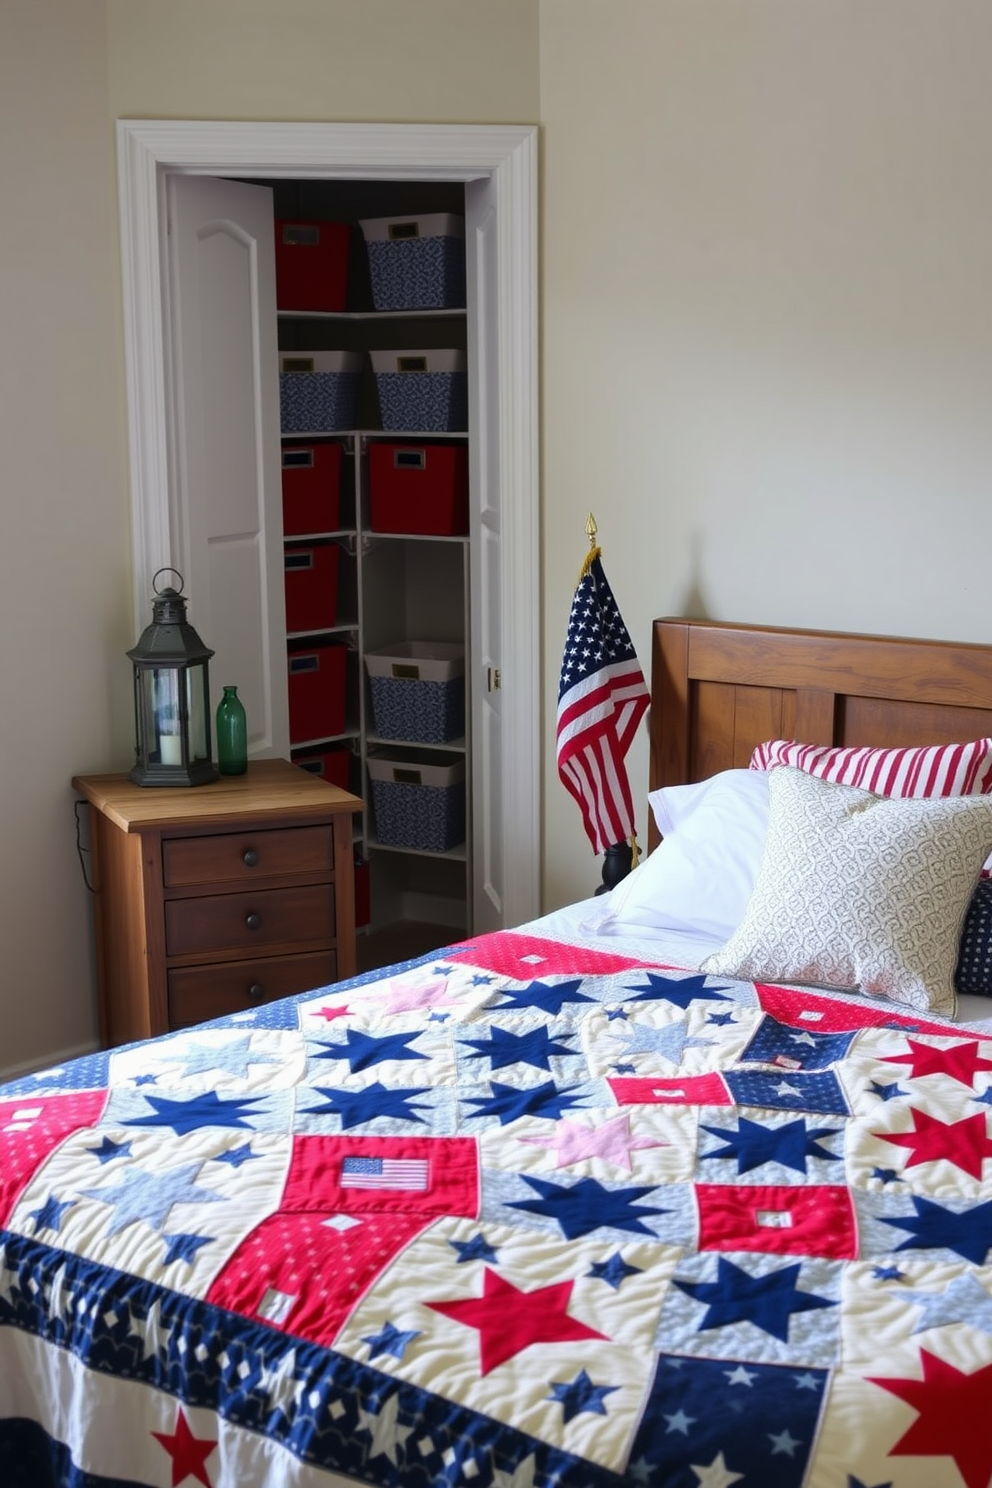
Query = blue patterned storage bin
x=318 y=390
x=421 y=391
x=416 y=263
x=418 y=691
x=418 y=805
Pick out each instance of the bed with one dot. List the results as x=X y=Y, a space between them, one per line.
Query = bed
x=605 y=1199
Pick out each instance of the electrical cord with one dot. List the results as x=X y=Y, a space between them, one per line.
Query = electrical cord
x=82 y=852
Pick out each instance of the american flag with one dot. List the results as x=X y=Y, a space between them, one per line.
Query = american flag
x=385 y=1172
x=601 y=700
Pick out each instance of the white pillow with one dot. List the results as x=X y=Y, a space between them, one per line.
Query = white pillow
x=699 y=878
x=860 y=891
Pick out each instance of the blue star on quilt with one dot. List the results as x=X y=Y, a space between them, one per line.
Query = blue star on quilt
x=508 y=1102
x=502 y=1048
x=585 y=1206
x=237 y=1156
x=109 y=1149
x=206 y=1109
x=476 y=1249
x=50 y=1215
x=233 y=1057
x=886 y=1092
x=376 y=1102
x=963 y=1300
x=580 y=1395
x=362 y=1050
x=543 y=997
x=184 y=1247
x=391 y=1340
x=753 y=1144
x=678 y=990
x=768 y=1301
x=613 y=1271
x=967 y=1232
x=151 y=1196
x=668 y=1042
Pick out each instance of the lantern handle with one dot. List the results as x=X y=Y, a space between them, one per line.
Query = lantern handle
x=156 y=576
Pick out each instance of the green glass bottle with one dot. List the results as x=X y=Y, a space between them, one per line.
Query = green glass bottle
x=232 y=734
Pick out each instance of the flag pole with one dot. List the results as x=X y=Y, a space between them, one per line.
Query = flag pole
x=602 y=697
x=620 y=857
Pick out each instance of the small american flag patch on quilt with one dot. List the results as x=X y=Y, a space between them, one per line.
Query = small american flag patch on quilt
x=385 y=1172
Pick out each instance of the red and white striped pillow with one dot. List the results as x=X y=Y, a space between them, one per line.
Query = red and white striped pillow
x=937 y=770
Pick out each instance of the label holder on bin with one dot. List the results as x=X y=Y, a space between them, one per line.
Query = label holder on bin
x=297 y=459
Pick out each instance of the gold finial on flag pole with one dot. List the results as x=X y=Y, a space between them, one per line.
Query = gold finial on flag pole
x=594 y=552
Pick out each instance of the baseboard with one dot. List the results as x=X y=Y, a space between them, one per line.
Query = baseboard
x=30 y=1067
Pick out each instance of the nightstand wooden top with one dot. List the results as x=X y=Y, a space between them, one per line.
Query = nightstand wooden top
x=270 y=786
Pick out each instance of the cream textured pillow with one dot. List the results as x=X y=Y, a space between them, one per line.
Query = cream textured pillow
x=860 y=891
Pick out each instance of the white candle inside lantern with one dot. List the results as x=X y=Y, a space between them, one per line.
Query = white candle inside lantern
x=170 y=749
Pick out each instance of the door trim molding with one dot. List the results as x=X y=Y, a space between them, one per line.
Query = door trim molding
x=148 y=150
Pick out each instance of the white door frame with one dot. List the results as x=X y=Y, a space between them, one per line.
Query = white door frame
x=148 y=149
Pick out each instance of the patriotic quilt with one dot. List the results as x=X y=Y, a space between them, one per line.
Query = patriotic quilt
x=523 y=1214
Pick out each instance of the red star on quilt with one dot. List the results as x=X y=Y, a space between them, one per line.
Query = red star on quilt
x=965 y=1143
x=189 y=1453
x=953 y=1417
x=961 y=1061
x=510 y=1320
x=330 y=1013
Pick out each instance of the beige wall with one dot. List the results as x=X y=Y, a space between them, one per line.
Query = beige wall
x=767 y=321
x=766 y=338
x=415 y=61
x=64 y=542
x=68 y=69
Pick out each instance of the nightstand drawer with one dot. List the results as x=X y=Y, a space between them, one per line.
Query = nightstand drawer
x=249 y=922
x=235 y=856
x=202 y=992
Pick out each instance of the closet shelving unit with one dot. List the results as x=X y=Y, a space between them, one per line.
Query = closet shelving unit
x=391 y=587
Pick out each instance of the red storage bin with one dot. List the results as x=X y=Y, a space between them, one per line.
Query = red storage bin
x=311 y=585
x=332 y=765
x=317 y=692
x=311 y=264
x=420 y=488
x=311 y=488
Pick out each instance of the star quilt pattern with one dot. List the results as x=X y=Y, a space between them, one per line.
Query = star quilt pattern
x=522 y=1214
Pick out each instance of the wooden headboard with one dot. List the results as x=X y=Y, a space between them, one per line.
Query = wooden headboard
x=718 y=690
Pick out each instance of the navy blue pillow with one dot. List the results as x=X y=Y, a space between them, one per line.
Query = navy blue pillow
x=974 y=968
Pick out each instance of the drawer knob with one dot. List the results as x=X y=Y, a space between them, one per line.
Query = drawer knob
x=253 y=921
x=250 y=857
x=255 y=991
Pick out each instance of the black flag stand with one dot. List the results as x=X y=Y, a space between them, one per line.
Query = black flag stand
x=618 y=860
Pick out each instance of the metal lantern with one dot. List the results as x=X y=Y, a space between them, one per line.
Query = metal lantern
x=171 y=696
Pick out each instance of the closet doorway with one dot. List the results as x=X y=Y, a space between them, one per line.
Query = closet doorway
x=498 y=167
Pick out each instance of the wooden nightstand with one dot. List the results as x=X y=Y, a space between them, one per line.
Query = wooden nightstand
x=212 y=899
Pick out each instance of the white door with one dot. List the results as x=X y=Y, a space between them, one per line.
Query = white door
x=226 y=513
x=485 y=561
